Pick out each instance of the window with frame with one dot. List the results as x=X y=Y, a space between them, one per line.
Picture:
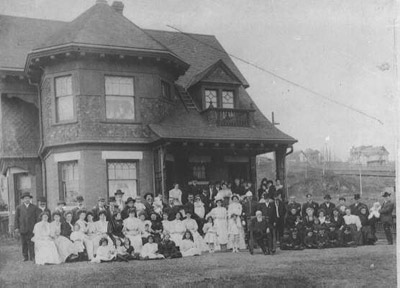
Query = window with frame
x=122 y=175
x=227 y=99
x=165 y=90
x=64 y=99
x=199 y=171
x=120 y=102
x=210 y=97
x=68 y=176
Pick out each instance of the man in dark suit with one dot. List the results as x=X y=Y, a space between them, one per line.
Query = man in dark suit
x=309 y=204
x=327 y=206
x=280 y=212
x=26 y=216
x=387 y=217
x=292 y=204
x=212 y=192
x=101 y=205
x=262 y=232
x=42 y=207
x=205 y=198
x=355 y=208
x=78 y=208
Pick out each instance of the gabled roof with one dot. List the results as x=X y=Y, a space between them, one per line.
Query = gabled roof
x=197 y=127
x=102 y=25
x=218 y=72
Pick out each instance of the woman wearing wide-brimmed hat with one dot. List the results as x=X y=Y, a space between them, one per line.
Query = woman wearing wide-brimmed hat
x=220 y=216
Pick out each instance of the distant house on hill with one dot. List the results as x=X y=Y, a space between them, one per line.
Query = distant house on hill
x=369 y=155
x=309 y=155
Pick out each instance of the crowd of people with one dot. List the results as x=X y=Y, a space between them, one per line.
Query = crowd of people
x=220 y=217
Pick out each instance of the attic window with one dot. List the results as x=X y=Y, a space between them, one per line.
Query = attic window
x=227 y=99
x=210 y=98
x=120 y=103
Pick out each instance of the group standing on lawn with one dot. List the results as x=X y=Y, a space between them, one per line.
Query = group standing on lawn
x=218 y=218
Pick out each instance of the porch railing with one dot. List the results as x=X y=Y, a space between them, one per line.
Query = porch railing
x=229 y=116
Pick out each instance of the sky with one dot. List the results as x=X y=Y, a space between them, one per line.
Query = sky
x=342 y=50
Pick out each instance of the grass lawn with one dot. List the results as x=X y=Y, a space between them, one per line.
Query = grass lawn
x=340 y=267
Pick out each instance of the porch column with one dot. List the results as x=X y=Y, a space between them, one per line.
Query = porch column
x=253 y=172
x=280 y=155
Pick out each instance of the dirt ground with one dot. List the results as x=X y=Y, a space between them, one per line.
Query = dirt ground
x=339 y=267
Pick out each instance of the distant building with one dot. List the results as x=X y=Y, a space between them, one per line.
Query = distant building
x=309 y=155
x=369 y=155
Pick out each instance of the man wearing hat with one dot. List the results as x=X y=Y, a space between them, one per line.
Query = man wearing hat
x=79 y=207
x=118 y=199
x=101 y=206
x=130 y=203
x=355 y=208
x=292 y=204
x=327 y=206
x=386 y=216
x=310 y=204
x=60 y=208
x=43 y=208
x=112 y=206
x=26 y=216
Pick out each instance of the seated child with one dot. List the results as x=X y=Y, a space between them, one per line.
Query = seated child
x=348 y=240
x=309 y=240
x=78 y=238
x=168 y=248
x=297 y=243
x=150 y=250
x=291 y=241
x=105 y=253
x=333 y=237
x=321 y=239
x=188 y=247
x=210 y=232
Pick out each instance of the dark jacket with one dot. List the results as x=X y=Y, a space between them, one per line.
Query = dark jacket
x=96 y=210
x=46 y=210
x=260 y=228
x=66 y=229
x=386 y=212
x=268 y=211
x=294 y=205
x=249 y=208
x=355 y=209
x=26 y=218
x=328 y=210
x=313 y=205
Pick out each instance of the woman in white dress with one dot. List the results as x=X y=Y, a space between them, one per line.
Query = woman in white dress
x=45 y=248
x=236 y=208
x=149 y=250
x=191 y=225
x=65 y=247
x=219 y=214
x=225 y=194
x=176 y=194
x=177 y=229
x=353 y=221
x=188 y=247
x=91 y=235
x=166 y=224
x=133 y=229
x=81 y=221
x=101 y=231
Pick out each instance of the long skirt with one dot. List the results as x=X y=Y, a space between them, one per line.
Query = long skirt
x=177 y=238
x=199 y=241
x=136 y=242
x=191 y=252
x=89 y=244
x=242 y=242
x=46 y=252
x=357 y=237
x=65 y=247
x=222 y=231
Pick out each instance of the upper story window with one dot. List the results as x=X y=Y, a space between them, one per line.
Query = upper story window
x=219 y=98
x=64 y=99
x=120 y=102
x=165 y=90
x=210 y=98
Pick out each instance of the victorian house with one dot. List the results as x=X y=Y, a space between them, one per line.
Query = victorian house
x=100 y=104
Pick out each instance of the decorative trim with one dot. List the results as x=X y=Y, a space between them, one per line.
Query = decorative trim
x=67 y=156
x=128 y=155
x=236 y=159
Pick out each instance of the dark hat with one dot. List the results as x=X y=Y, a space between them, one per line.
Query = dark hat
x=79 y=198
x=235 y=196
x=327 y=196
x=111 y=199
x=386 y=194
x=102 y=199
x=119 y=192
x=61 y=202
x=26 y=194
x=42 y=199
x=342 y=198
x=129 y=200
x=357 y=196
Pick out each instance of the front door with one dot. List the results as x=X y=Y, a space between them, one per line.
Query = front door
x=239 y=171
x=22 y=184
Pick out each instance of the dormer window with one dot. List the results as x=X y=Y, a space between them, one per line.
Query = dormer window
x=120 y=102
x=64 y=99
x=219 y=98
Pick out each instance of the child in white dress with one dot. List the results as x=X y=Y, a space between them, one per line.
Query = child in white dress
x=210 y=236
x=188 y=247
x=105 y=253
x=150 y=250
x=233 y=233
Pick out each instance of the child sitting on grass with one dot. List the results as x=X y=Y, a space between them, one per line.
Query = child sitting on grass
x=333 y=237
x=309 y=240
x=322 y=240
x=150 y=250
x=105 y=253
x=78 y=238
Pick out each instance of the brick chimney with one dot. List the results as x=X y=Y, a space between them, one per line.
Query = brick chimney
x=118 y=6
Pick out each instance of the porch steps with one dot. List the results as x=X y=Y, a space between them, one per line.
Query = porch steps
x=186 y=98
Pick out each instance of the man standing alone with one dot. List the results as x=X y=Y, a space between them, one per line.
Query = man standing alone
x=26 y=216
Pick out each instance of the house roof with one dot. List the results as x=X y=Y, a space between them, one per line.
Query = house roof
x=102 y=25
x=197 y=127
